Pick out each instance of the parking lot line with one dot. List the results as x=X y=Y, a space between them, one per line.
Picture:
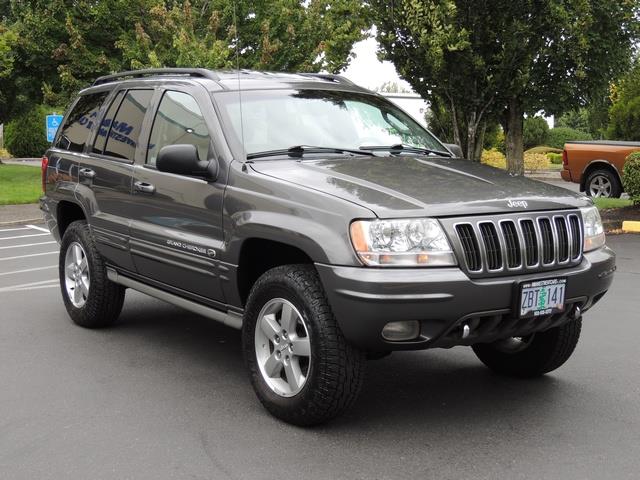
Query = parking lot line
x=28 y=245
x=25 y=236
x=27 y=286
x=29 y=255
x=22 y=289
x=35 y=227
x=13 y=229
x=29 y=270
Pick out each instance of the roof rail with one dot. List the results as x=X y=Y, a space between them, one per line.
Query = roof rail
x=191 y=72
x=332 y=77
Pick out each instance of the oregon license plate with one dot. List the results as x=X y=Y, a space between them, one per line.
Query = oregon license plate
x=542 y=297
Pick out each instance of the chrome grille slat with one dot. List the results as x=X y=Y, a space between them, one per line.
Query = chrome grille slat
x=519 y=243
x=531 y=242
x=492 y=246
x=562 y=232
x=511 y=244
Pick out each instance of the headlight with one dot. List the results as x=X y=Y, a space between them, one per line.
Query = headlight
x=593 y=229
x=418 y=242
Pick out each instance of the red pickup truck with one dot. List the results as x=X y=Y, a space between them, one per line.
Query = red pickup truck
x=597 y=166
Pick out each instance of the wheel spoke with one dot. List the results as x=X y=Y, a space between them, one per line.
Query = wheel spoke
x=83 y=265
x=293 y=374
x=301 y=346
x=84 y=286
x=272 y=366
x=68 y=270
x=77 y=254
x=77 y=295
x=269 y=325
x=289 y=319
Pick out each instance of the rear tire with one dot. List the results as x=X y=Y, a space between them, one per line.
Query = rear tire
x=91 y=299
x=328 y=371
x=538 y=354
x=603 y=183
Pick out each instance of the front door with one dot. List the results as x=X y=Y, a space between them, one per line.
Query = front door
x=176 y=227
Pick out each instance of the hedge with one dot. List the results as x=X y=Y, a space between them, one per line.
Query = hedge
x=25 y=136
x=632 y=177
x=555 y=158
x=532 y=161
x=557 y=137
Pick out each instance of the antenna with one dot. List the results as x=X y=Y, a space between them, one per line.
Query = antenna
x=237 y=39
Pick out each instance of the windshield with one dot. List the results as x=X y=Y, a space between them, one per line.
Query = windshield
x=279 y=119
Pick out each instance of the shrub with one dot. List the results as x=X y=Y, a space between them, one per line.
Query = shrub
x=543 y=149
x=559 y=136
x=25 y=136
x=494 y=158
x=555 y=158
x=632 y=177
x=536 y=161
x=536 y=130
x=4 y=154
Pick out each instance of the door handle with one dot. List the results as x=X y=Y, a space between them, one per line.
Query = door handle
x=87 y=173
x=144 y=187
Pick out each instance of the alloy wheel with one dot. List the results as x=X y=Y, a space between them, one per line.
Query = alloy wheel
x=76 y=272
x=600 y=186
x=282 y=347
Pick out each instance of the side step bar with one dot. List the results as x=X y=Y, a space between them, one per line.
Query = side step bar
x=231 y=319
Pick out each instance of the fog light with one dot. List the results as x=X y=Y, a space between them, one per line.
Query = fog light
x=400 y=331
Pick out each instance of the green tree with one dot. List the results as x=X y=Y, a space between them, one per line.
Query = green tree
x=283 y=35
x=536 y=131
x=61 y=46
x=500 y=59
x=625 y=110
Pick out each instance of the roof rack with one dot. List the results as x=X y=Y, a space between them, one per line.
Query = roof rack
x=332 y=77
x=191 y=72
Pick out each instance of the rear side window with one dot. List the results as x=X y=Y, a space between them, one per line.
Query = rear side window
x=179 y=121
x=124 y=130
x=77 y=125
x=101 y=137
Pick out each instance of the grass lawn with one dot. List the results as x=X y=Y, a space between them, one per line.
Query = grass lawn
x=603 y=203
x=19 y=184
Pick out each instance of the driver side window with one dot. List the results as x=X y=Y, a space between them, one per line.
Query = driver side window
x=179 y=120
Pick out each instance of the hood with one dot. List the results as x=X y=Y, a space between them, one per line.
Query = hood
x=417 y=186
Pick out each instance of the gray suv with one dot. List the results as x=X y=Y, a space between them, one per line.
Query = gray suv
x=321 y=220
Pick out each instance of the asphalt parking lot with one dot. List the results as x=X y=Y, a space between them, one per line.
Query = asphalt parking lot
x=164 y=394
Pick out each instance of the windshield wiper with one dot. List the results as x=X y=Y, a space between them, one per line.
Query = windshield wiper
x=400 y=147
x=298 y=151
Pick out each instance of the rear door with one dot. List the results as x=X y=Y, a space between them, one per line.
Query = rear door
x=105 y=173
x=176 y=228
x=68 y=150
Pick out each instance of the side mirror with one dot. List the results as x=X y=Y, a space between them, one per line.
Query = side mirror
x=455 y=149
x=183 y=159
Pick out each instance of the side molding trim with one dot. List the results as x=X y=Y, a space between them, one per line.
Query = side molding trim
x=230 y=319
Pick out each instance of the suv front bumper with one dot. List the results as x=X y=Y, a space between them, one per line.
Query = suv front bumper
x=365 y=299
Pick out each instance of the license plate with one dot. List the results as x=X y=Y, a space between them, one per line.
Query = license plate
x=542 y=297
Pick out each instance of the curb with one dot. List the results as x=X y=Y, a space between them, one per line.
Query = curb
x=629 y=226
x=19 y=222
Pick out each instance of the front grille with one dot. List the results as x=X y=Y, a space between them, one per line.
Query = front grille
x=519 y=243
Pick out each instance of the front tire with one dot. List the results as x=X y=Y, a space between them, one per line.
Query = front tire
x=91 y=299
x=300 y=365
x=531 y=356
